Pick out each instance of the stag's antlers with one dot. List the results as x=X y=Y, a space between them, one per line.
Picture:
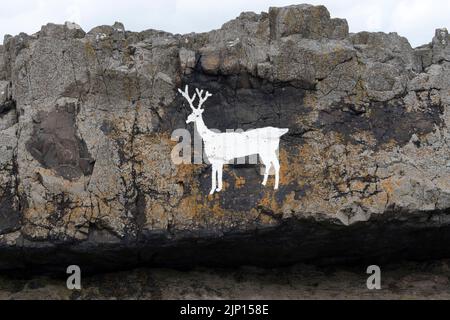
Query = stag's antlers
x=185 y=94
x=202 y=99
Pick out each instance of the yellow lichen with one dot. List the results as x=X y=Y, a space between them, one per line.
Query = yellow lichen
x=89 y=49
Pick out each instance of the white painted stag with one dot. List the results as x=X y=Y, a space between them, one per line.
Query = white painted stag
x=221 y=148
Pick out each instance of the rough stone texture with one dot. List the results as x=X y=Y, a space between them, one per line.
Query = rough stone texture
x=310 y=22
x=85 y=133
x=2 y=63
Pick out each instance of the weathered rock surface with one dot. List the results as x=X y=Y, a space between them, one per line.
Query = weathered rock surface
x=85 y=130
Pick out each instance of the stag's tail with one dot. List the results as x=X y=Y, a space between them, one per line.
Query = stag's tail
x=277 y=133
x=282 y=132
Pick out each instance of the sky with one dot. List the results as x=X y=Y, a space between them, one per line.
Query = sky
x=414 y=19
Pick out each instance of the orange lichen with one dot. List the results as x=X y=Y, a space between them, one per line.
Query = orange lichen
x=388 y=185
x=269 y=202
x=358 y=186
x=240 y=182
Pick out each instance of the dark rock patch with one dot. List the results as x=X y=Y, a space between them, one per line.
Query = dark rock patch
x=246 y=102
x=10 y=215
x=240 y=102
x=137 y=209
x=56 y=146
x=387 y=122
x=7 y=107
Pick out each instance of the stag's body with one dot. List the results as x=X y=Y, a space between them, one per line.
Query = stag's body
x=221 y=148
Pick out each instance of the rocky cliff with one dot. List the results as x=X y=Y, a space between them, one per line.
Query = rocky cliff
x=85 y=136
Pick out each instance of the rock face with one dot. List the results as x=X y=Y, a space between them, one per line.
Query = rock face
x=85 y=137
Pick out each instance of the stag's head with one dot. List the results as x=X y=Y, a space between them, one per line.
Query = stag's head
x=202 y=97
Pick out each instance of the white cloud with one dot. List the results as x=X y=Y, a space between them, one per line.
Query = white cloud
x=415 y=19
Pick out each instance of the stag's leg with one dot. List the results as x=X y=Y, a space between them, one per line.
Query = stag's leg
x=267 y=164
x=219 y=177
x=276 y=165
x=213 y=178
x=266 y=173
